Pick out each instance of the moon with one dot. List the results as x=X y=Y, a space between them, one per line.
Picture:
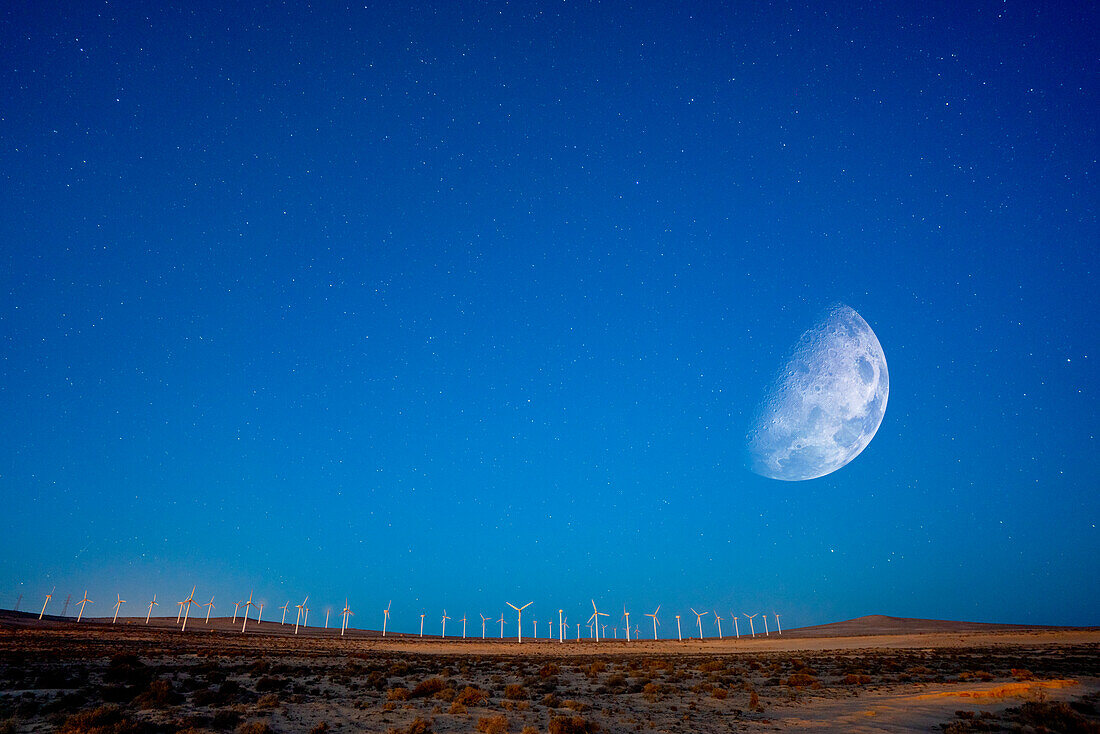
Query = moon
x=825 y=405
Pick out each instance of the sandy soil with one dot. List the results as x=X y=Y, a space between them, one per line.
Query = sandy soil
x=880 y=674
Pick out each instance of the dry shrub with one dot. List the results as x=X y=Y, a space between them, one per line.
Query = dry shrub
x=419 y=726
x=254 y=727
x=595 y=669
x=321 y=728
x=103 y=720
x=754 y=701
x=572 y=725
x=268 y=701
x=574 y=705
x=458 y=709
x=551 y=701
x=549 y=670
x=1053 y=716
x=529 y=730
x=800 y=679
x=428 y=688
x=651 y=691
x=397 y=694
x=515 y=692
x=976 y=675
x=720 y=693
x=712 y=666
x=158 y=695
x=492 y=725
x=856 y=679
x=1022 y=674
x=471 y=696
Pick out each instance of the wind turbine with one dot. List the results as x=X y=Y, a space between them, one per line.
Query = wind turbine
x=736 y=627
x=118 y=604
x=561 y=636
x=627 y=615
x=305 y=618
x=655 y=620
x=18 y=602
x=445 y=618
x=346 y=611
x=535 y=624
x=209 y=608
x=386 y=617
x=752 y=627
x=48 y=597
x=464 y=626
x=776 y=624
x=236 y=610
x=699 y=621
x=595 y=619
x=179 y=612
x=65 y=609
x=484 y=619
x=151 y=605
x=519 y=624
x=501 y=620
x=328 y=611
x=284 y=607
x=187 y=613
x=678 y=635
x=299 y=607
x=765 y=618
x=578 y=630
x=259 y=612
x=421 y=625
x=719 y=621
x=247 y=605
x=83 y=601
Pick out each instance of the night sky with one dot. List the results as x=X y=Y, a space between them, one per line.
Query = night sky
x=463 y=303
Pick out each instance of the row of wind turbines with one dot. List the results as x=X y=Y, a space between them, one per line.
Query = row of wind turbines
x=594 y=624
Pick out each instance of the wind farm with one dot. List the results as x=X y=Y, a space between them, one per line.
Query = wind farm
x=810 y=662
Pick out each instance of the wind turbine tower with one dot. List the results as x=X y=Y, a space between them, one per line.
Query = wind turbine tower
x=48 y=597
x=752 y=627
x=118 y=604
x=346 y=612
x=699 y=621
x=187 y=612
x=595 y=619
x=247 y=605
x=152 y=604
x=519 y=624
x=679 y=636
x=209 y=608
x=83 y=601
x=300 y=608
x=655 y=620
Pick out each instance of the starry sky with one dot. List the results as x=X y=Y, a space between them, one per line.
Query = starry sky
x=456 y=303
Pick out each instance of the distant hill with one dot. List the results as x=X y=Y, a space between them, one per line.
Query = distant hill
x=880 y=624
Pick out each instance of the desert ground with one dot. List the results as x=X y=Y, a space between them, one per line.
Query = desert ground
x=873 y=674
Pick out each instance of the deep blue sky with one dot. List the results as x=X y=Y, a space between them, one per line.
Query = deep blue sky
x=460 y=304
